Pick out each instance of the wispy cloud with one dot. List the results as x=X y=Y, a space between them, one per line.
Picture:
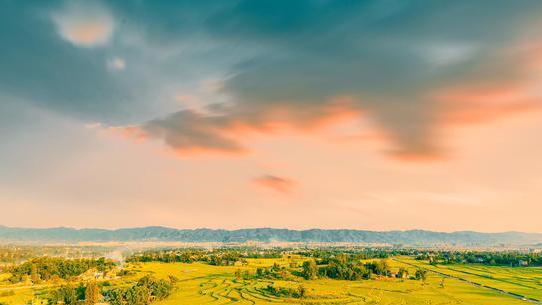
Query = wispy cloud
x=279 y=184
x=84 y=24
x=388 y=73
x=116 y=63
x=224 y=129
x=275 y=71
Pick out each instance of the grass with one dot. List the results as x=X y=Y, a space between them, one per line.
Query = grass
x=524 y=281
x=204 y=284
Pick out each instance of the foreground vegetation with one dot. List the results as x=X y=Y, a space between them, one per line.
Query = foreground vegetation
x=274 y=276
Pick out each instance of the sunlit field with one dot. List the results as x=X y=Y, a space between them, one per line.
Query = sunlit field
x=204 y=284
x=526 y=282
x=201 y=283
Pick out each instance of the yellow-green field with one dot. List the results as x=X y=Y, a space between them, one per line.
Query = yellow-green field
x=525 y=281
x=204 y=284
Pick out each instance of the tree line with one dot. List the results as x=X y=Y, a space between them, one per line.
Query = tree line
x=218 y=257
x=506 y=258
x=16 y=254
x=347 y=267
x=145 y=291
x=50 y=268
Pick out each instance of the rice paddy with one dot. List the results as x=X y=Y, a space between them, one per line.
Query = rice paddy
x=204 y=284
x=200 y=283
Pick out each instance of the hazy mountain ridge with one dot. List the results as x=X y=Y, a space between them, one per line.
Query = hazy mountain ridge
x=410 y=237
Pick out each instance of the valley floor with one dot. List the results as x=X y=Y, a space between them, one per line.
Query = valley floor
x=199 y=283
x=204 y=284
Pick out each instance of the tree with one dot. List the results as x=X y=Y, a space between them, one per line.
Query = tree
x=421 y=275
x=34 y=274
x=67 y=295
x=92 y=293
x=138 y=295
x=147 y=289
x=382 y=268
x=301 y=291
x=49 y=268
x=402 y=273
x=173 y=279
x=161 y=289
x=80 y=292
x=310 y=270
x=116 y=297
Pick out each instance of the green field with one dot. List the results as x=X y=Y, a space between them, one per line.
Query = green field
x=201 y=283
x=525 y=281
x=204 y=284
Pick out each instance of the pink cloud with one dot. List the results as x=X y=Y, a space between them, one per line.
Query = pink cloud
x=190 y=132
x=499 y=87
x=275 y=183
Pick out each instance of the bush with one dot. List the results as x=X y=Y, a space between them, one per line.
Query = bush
x=148 y=289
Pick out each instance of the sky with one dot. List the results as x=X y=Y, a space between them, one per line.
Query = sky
x=376 y=115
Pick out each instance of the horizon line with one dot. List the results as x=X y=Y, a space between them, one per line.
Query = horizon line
x=256 y=228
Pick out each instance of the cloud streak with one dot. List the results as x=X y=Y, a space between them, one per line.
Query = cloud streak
x=225 y=129
x=275 y=183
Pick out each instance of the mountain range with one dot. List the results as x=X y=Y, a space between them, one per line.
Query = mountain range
x=410 y=237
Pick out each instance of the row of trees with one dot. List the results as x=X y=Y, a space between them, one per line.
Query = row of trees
x=322 y=256
x=223 y=259
x=510 y=258
x=219 y=257
x=216 y=258
x=326 y=256
x=47 y=268
x=168 y=256
x=344 y=267
x=16 y=254
x=274 y=272
x=286 y=292
x=88 y=294
x=147 y=290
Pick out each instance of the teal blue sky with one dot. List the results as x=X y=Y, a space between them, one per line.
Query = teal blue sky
x=83 y=83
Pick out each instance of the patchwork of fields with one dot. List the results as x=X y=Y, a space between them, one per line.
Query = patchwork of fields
x=200 y=283
x=204 y=284
x=523 y=282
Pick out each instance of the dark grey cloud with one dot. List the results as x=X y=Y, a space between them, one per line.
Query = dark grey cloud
x=388 y=56
x=40 y=66
x=37 y=65
x=188 y=130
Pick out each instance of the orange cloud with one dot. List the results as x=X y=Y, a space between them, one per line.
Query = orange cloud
x=481 y=105
x=130 y=132
x=412 y=130
x=189 y=132
x=85 y=25
x=278 y=184
x=87 y=33
x=429 y=155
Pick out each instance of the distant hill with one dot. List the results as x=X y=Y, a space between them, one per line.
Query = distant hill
x=411 y=237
